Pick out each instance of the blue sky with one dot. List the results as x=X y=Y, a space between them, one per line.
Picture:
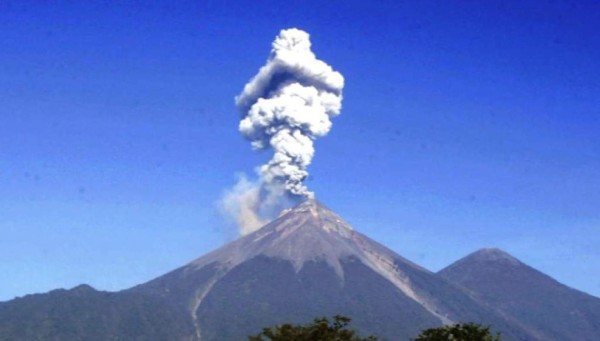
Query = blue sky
x=465 y=124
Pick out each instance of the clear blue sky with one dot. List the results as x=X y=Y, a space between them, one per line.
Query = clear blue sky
x=466 y=124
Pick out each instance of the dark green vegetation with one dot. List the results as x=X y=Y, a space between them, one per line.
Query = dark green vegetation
x=320 y=329
x=458 y=332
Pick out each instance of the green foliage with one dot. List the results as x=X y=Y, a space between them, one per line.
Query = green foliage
x=459 y=332
x=321 y=329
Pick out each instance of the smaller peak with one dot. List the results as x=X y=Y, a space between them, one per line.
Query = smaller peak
x=493 y=254
x=486 y=257
x=491 y=250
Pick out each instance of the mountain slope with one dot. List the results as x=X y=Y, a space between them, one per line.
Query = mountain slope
x=310 y=263
x=547 y=308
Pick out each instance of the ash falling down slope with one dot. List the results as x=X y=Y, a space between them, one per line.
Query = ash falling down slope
x=308 y=263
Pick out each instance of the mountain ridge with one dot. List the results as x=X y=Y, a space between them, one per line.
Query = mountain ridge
x=308 y=262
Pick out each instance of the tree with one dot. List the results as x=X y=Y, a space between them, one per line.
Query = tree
x=459 y=332
x=321 y=329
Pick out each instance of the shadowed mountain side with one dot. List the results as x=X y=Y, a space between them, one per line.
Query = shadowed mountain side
x=83 y=313
x=266 y=291
x=547 y=308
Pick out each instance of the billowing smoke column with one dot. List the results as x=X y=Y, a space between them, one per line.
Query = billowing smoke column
x=285 y=107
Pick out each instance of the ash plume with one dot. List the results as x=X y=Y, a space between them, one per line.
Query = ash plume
x=284 y=108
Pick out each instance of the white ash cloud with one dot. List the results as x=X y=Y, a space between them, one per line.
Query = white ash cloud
x=285 y=107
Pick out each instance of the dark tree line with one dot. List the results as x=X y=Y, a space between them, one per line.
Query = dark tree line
x=322 y=329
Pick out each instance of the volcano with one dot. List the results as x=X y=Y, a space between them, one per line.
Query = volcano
x=306 y=263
